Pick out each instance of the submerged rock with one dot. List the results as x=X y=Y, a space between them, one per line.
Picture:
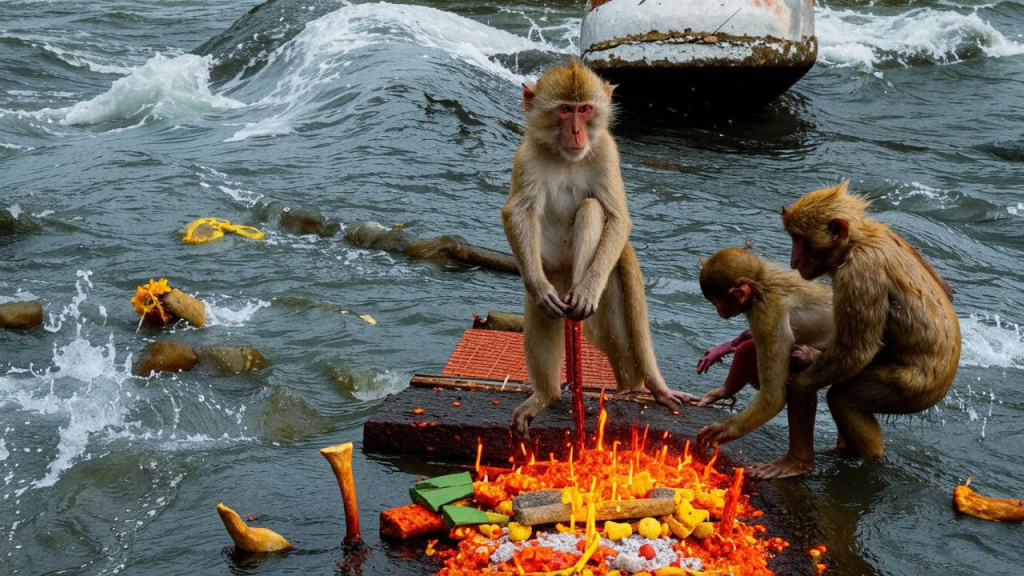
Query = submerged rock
x=167 y=357
x=229 y=360
x=21 y=314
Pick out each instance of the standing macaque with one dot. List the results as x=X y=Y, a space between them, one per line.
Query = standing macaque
x=568 y=226
x=897 y=342
x=790 y=320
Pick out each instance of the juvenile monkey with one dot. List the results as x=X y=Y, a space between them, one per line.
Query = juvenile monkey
x=897 y=342
x=783 y=311
x=568 y=225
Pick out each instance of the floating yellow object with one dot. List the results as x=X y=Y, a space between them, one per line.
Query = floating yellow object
x=147 y=301
x=368 y=319
x=969 y=502
x=207 y=229
x=251 y=539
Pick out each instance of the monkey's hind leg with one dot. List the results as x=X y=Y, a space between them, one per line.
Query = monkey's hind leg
x=544 y=348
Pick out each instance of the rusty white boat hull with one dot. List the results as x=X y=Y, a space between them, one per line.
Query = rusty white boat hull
x=731 y=55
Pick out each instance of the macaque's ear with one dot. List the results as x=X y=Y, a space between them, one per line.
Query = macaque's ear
x=742 y=292
x=700 y=263
x=748 y=244
x=609 y=88
x=528 y=93
x=839 y=229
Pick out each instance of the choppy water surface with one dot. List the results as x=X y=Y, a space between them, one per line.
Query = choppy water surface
x=121 y=121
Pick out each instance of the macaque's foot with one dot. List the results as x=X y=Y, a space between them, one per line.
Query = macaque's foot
x=524 y=414
x=785 y=467
x=841 y=452
x=673 y=399
x=520 y=425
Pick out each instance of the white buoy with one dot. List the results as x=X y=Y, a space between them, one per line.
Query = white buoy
x=700 y=54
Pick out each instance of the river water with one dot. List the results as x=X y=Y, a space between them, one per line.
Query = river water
x=122 y=120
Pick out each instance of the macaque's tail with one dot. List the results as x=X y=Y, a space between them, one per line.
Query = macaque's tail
x=636 y=315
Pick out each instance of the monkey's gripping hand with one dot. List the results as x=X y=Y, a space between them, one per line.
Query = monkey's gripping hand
x=581 y=301
x=712 y=355
x=802 y=355
x=549 y=301
x=715 y=433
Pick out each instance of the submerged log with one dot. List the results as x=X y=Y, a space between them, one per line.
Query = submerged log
x=373 y=235
x=496 y=320
x=184 y=306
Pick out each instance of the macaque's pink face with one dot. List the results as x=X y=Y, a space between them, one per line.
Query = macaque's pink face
x=574 y=120
x=727 y=305
x=805 y=260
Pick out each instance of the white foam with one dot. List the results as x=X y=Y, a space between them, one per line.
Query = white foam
x=858 y=39
x=938 y=198
x=988 y=341
x=88 y=396
x=163 y=88
x=217 y=315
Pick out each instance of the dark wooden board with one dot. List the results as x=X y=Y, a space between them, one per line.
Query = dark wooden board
x=450 y=432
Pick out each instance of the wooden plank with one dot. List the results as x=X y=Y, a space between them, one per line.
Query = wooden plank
x=442 y=417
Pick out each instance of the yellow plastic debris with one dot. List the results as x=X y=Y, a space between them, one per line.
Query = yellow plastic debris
x=207 y=229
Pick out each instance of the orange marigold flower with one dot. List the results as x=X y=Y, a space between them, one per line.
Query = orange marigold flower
x=146 y=301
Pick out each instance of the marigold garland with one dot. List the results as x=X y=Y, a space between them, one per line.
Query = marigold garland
x=146 y=301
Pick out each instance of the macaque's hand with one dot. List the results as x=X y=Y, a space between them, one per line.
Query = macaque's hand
x=581 y=301
x=712 y=355
x=549 y=301
x=713 y=396
x=714 y=433
x=802 y=355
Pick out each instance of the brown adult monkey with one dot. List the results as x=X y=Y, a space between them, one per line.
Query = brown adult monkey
x=784 y=311
x=897 y=342
x=568 y=226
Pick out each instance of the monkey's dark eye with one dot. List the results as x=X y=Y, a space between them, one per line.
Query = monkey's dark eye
x=565 y=109
x=585 y=109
